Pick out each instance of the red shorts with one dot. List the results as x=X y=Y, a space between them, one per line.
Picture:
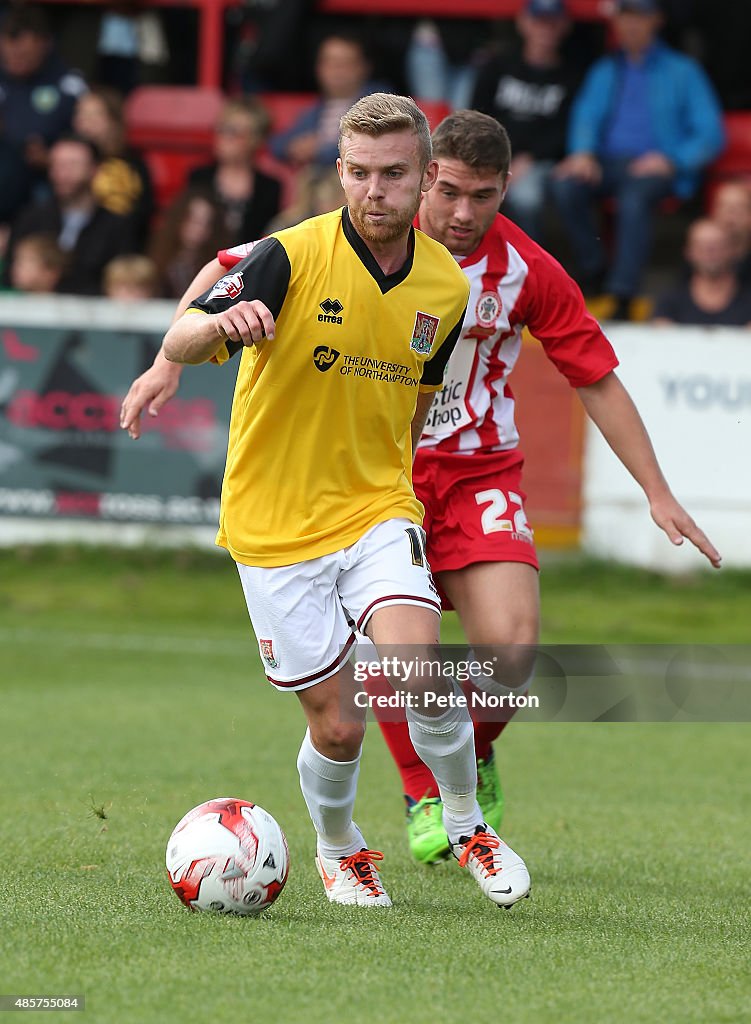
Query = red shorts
x=474 y=509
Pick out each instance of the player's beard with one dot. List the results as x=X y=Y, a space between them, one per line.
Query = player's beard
x=395 y=226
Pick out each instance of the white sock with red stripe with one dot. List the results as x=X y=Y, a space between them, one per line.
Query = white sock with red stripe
x=446 y=744
x=329 y=789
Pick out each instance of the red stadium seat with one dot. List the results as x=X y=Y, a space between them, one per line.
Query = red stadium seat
x=286 y=107
x=169 y=171
x=173 y=127
x=434 y=110
x=735 y=160
x=172 y=115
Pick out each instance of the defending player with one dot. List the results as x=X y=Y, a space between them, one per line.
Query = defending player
x=468 y=466
x=317 y=506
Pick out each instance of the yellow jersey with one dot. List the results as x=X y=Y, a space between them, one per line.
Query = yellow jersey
x=319 y=442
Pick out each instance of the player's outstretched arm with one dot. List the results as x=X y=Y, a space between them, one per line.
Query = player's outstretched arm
x=158 y=384
x=611 y=409
x=150 y=391
x=196 y=337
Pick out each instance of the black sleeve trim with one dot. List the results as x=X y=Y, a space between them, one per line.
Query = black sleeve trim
x=433 y=369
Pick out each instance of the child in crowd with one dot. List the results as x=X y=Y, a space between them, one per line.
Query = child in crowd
x=131 y=278
x=37 y=264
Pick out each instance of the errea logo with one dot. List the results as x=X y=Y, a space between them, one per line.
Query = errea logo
x=331 y=310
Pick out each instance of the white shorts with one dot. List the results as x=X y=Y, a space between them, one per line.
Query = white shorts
x=305 y=615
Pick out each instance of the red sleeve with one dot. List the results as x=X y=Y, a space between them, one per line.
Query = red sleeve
x=557 y=316
x=229 y=258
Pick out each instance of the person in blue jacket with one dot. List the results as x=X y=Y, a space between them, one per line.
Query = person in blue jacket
x=644 y=124
x=342 y=72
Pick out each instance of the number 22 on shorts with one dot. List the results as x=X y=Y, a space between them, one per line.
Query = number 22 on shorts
x=494 y=519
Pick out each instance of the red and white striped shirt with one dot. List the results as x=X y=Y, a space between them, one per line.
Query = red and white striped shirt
x=514 y=284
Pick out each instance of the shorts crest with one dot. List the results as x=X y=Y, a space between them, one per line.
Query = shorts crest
x=266 y=648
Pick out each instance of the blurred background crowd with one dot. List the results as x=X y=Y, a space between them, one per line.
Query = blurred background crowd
x=122 y=172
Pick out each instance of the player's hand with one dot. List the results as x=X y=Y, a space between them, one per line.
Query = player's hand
x=582 y=166
x=303 y=149
x=651 y=165
x=153 y=388
x=672 y=517
x=246 y=322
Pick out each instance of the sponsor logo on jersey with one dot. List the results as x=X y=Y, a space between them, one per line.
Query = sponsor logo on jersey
x=266 y=648
x=331 y=310
x=324 y=357
x=488 y=309
x=424 y=332
x=350 y=365
x=228 y=287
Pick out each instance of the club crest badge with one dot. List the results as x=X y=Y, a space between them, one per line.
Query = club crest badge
x=266 y=648
x=227 y=287
x=488 y=309
x=424 y=332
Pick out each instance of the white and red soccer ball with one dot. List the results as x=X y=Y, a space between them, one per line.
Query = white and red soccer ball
x=228 y=856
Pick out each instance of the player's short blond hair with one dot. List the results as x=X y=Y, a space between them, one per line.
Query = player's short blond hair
x=381 y=113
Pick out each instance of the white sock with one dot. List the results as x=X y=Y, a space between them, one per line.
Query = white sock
x=329 y=789
x=447 y=746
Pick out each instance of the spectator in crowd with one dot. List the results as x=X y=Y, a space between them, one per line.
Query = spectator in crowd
x=643 y=126
x=15 y=183
x=318 y=192
x=531 y=97
x=248 y=197
x=731 y=207
x=191 y=234
x=263 y=45
x=38 y=265
x=37 y=90
x=713 y=293
x=343 y=73
x=123 y=183
x=89 y=234
x=443 y=58
x=131 y=278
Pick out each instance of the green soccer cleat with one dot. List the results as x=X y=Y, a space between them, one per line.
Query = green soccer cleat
x=489 y=792
x=428 y=842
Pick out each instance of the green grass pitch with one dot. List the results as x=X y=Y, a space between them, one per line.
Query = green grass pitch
x=130 y=687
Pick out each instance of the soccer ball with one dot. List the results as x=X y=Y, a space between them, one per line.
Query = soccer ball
x=229 y=856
